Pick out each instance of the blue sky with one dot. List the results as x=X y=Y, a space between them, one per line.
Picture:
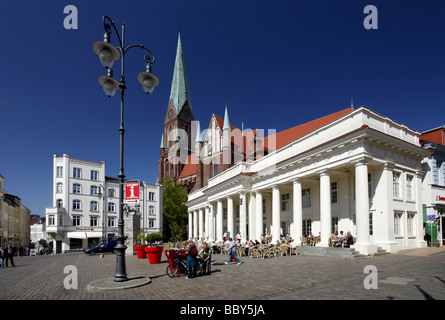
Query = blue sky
x=275 y=63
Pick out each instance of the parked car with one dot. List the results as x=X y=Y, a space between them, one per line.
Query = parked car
x=103 y=247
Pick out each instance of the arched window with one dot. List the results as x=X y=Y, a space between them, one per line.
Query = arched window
x=76 y=204
x=76 y=188
x=59 y=203
x=94 y=206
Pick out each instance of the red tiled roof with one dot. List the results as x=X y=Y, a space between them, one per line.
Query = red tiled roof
x=282 y=138
x=287 y=136
x=189 y=168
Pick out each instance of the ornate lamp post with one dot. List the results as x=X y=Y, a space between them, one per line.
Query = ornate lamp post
x=108 y=55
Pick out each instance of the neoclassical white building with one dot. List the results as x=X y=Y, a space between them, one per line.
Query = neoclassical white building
x=86 y=205
x=354 y=170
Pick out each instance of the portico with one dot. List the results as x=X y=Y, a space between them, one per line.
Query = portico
x=342 y=176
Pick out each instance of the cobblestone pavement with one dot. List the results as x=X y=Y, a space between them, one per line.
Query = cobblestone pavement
x=409 y=275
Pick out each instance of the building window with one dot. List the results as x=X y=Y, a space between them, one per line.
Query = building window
x=151 y=223
x=409 y=188
x=111 y=192
x=76 y=188
x=334 y=224
x=51 y=220
x=396 y=185
x=151 y=196
x=397 y=223
x=334 y=192
x=151 y=210
x=111 y=207
x=306 y=198
x=59 y=203
x=264 y=207
x=371 y=225
x=59 y=187
x=369 y=186
x=307 y=227
x=77 y=173
x=76 y=205
x=93 y=190
x=93 y=206
x=76 y=220
x=214 y=169
x=93 y=221
x=111 y=222
x=285 y=202
x=59 y=172
x=94 y=175
x=411 y=224
x=60 y=220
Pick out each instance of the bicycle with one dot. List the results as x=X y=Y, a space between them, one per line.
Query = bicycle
x=178 y=267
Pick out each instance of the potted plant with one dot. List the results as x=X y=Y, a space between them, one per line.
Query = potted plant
x=154 y=248
x=139 y=247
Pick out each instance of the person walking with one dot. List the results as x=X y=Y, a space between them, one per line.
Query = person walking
x=9 y=254
x=232 y=252
x=206 y=255
x=191 y=264
x=2 y=257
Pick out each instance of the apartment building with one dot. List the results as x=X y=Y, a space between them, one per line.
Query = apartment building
x=85 y=205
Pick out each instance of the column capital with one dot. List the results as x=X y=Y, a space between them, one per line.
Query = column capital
x=296 y=180
x=389 y=165
x=323 y=172
x=362 y=161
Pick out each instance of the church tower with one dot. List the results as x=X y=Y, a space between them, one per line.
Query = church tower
x=177 y=122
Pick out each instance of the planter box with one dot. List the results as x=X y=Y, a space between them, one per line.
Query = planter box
x=140 y=252
x=154 y=254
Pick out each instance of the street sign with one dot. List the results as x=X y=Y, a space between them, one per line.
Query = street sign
x=132 y=192
x=431 y=218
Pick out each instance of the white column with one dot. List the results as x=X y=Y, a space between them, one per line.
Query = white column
x=206 y=223
x=219 y=221
x=190 y=225
x=419 y=221
x=297 y=231
x=363 y=244
x=251 y=215
x=195 y=224
x=325 y=207
x=276 y=214
x=242 y=215
x=211 y=222
x=258 y=216
x=230 y=220
x=201 y=224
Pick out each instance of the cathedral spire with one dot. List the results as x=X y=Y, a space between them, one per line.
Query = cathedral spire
x=226 y=120
x=179 y=93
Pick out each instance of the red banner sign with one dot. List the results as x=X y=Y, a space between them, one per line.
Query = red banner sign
x=132 y=191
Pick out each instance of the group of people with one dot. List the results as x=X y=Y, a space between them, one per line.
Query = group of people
x=193 y=254
x=205 y=253
x=339 y=238
x=6 y=254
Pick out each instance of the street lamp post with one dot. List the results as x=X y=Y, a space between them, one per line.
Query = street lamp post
x=108 y=54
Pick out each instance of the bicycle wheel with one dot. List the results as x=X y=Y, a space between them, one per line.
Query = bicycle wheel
x=200 y=268
x=174 y=270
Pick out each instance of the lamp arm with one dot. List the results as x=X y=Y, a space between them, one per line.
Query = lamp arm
x=147 y=58
x=108 y=29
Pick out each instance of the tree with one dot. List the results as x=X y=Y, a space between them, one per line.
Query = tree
x=175 y=213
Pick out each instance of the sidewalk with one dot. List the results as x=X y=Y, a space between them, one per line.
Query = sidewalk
x=277 y=278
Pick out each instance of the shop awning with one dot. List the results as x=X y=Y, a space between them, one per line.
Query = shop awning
x=83 y=234
x=76 y=235
x=94 y=234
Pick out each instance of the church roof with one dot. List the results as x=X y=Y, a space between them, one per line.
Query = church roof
x=179 y=93
x=282 y=138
